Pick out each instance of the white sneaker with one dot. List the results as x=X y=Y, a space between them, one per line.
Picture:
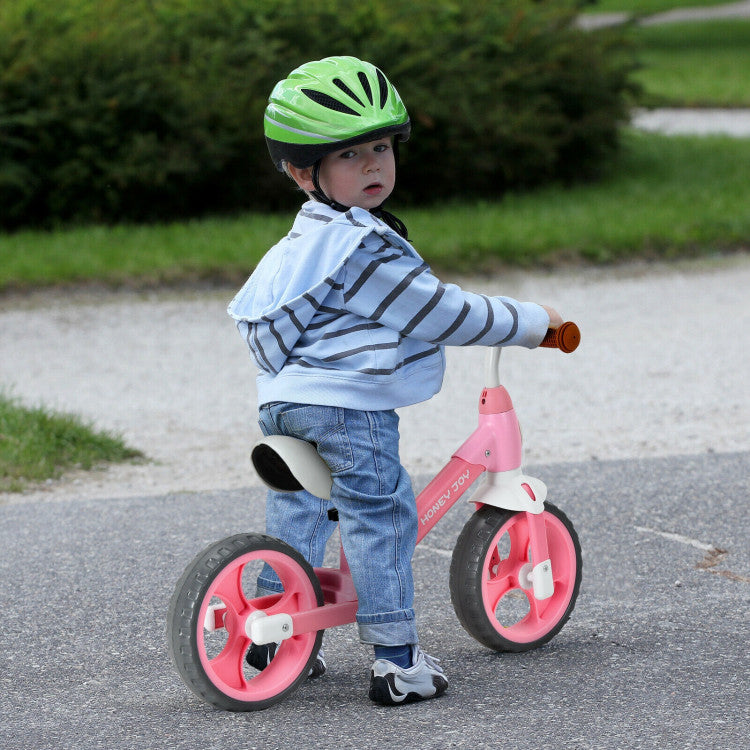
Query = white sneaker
x=391 y=685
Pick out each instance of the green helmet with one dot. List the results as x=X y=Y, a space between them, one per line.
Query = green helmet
x=326 y=105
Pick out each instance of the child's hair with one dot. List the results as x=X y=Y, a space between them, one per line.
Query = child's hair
x=284 y=167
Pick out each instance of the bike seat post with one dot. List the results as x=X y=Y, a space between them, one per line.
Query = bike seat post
x=333 y=515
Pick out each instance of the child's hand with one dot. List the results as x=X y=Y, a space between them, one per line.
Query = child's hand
x=555 y=319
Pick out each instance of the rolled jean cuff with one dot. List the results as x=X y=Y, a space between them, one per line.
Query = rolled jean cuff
x=388 y=629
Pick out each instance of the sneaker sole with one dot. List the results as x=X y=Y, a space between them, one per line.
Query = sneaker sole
x=383 y=691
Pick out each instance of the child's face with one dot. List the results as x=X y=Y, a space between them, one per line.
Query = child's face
x=362 y=175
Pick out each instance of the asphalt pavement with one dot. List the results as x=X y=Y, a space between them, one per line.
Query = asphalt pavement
x=655 y=654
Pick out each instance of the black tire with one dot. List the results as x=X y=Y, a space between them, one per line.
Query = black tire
x=486 y=573
x=219 y=673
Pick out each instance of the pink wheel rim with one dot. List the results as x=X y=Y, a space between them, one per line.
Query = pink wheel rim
x=502 y=573
x=226 y=670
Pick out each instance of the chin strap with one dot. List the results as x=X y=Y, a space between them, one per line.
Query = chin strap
x=318 y=193
x=392 y=221
x=379 y=212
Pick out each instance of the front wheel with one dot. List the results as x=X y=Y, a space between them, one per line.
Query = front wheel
x=208 y=640
x=489 y=585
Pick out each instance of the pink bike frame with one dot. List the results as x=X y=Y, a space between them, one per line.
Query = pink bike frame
x=495 y=446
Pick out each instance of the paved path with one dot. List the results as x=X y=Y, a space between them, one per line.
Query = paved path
x=732 y=122
x=655 y=655
x=660 y=372
x=710 y=13
x=678 y=15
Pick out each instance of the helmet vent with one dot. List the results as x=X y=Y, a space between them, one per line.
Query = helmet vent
x=383 y=83
x=338 y=82
x=329 y=102
x=365 y=85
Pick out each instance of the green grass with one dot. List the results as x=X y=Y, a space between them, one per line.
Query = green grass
x=147 y=255
x=647 y=7
x=37 y=444
x=689 y=64
x=664 y=197
x=668 y=197
x=695 y=64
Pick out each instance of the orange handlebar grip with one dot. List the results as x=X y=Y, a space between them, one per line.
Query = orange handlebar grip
x=565 y=338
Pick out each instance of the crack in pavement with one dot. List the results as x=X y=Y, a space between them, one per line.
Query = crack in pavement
x=712 y=558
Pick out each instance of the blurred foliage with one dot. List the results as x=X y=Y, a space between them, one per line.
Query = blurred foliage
x=141 y=110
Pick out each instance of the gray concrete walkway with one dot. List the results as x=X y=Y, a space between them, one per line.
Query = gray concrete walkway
x=633 y=389
x=712 y=13
x=678 y=15
x=675 y=121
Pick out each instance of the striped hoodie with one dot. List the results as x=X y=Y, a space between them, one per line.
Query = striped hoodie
x=344 y=312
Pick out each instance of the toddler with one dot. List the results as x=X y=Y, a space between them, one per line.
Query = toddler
x=346 y=323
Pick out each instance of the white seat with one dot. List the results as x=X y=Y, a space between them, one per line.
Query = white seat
x=288 y=464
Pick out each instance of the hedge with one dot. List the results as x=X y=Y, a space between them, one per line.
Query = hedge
x=141 y=110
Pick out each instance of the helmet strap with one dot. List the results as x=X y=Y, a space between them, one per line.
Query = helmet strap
x=320 y=195
x=392 y=221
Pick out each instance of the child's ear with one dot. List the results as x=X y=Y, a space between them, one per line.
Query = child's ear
x=303 y=177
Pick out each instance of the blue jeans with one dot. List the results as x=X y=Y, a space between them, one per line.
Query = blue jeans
x=377 y=511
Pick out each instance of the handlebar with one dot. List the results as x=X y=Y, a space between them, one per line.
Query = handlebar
x=565 y=338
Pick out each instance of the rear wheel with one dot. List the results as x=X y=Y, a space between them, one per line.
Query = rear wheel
x=489 y=584
x=213 y=599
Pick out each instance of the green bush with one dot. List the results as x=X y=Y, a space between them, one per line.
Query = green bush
x=115 y=110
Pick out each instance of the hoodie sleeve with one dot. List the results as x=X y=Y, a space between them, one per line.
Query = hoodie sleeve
x=386 y=283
